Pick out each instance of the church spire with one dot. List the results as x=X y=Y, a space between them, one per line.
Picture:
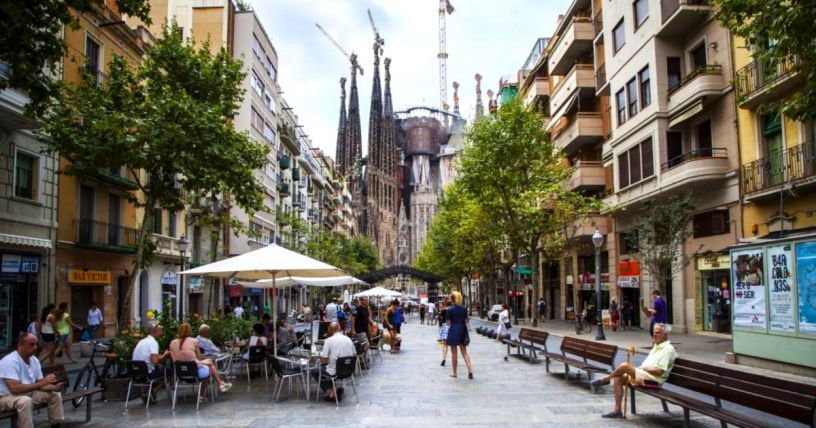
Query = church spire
x=354 y=147
x=375 y=115
x=479 y=105
x=341 y=130
x=389 y=146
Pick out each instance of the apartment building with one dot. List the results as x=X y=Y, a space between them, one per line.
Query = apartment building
x=28 y=223
x=777 y=171
x=666 y=67
x=97 y=226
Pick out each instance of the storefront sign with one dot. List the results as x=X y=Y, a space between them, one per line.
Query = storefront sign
x=629 y=268
x=89 y=276
x=747 y=267
x=14 y=263
x=806 y=277
x=780 y=289
x=713 y=262
x=11 y=263
x=195 y=285
x=587 y=281
x=169 y=278
x=627 y=281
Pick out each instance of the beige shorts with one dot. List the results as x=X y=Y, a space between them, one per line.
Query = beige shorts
x=641 y=375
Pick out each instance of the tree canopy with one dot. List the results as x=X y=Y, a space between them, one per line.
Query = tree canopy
x=168 y=121
x=778 y=31
x=32 y=43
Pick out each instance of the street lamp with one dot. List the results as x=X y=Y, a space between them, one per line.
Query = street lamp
x=597 y=240
x=182 y=246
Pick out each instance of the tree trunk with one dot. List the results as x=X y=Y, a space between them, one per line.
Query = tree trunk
x=534 y=261
x=214 y=283
x=141 y=240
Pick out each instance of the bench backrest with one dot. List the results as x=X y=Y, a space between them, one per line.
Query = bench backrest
x=788 y=399
x=589 y=350
x=533 y=336
x=57 y=370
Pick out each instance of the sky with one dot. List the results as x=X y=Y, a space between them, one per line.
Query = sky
x=489 y=37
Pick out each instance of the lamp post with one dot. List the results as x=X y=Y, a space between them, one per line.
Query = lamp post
x=597 y=240
x=182 y=246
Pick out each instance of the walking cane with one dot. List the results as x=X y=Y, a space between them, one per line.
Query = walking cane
x=626 y=381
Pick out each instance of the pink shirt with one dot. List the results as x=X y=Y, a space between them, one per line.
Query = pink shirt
x=187 y=351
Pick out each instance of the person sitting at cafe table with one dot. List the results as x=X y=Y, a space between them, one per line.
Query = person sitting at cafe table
x=336 y=346
x=654 y=370
x=257 y=339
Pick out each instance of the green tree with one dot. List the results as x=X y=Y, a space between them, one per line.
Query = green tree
x=516 y=175
x=170 y=119
x=659 y=232
x=357 y=255
x=32 y=43
x=780 y=31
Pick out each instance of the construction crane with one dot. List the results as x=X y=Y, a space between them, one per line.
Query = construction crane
x=377 y=39
x=352 y=58
x=444 y=8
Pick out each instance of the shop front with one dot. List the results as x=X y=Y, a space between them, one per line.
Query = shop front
x=87 y=287
x=629 y=289
x=169 y=291
x=714 y=288
x=587 y=295
x=19 y=285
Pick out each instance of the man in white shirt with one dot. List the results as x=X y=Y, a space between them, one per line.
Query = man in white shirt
x=23 y=384
x=331 y=311
x=94 y=319
x=336 y=346
x=432 y=313
x=147 y=350
x=238 y=311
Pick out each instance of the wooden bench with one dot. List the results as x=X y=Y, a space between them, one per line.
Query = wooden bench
x=59 y=371
x=585 y=351
x=787 y=399
x=527 y=345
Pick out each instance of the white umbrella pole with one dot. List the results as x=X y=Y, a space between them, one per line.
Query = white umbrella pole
x=274 y=317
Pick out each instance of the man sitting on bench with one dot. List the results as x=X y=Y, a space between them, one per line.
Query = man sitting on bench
x=23 y=384
x=654 y=370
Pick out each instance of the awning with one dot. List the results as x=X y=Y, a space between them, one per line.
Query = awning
x=524 y=270
x=6 y=238
x=571 y=102
x=686 y=114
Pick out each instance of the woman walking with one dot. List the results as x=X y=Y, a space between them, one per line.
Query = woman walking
x=390 y=323
x=64 y=328
x=504 y=323
x=48 y=333
x=613 y=313
x=457 y=317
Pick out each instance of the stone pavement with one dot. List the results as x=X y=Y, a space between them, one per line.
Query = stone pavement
x=406 y=389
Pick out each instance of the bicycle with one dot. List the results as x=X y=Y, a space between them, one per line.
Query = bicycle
x=90 y=375
x=581 y=326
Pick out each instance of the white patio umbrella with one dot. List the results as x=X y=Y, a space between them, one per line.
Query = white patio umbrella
x=272 y=262
x=378 y=292
x=334 y=281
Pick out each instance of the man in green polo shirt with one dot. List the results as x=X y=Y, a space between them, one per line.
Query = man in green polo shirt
x=655 y=368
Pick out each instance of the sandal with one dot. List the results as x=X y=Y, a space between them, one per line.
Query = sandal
x=453 y=375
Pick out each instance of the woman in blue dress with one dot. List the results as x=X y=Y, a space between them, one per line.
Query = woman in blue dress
x=457 y=317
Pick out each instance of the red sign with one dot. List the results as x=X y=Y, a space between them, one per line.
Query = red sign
x=236 y=291
x=629 y=268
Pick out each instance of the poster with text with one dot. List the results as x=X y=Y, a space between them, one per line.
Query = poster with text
x=780 y=288
x=747 y=267
x=806 y=277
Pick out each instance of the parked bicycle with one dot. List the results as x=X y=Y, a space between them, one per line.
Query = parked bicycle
x=581 y=324
x=90 y=375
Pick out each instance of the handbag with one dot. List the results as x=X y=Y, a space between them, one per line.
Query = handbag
x=466 y=340
x=507 y=325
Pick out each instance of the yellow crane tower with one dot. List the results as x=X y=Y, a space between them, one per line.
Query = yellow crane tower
x=444 y=8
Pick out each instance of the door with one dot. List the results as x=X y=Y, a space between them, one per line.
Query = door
x=774 y=147
x=704 y=140
x=674 y=148
x=673 y=72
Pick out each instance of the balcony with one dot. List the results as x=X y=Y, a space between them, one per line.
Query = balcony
x=284 y=189
x=581 y=77
x=107 y=237
x=578 y=130
x=762 y=81
x=601 y=86
x=597 y=24
x=681 y=16
x=295 y=173
x=288 y=137
x=539 y=91
x=122 y=178
x=585 y=228
x=695 y=166
x=285 y=162
x=575 y=42
x=298 y=202
x=796 y=165
x=587 y=175
x=704 y=83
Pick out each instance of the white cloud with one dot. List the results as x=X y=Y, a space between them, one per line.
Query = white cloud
x=489 y=37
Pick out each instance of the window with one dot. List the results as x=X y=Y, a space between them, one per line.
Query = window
x=25 y=175
x=92 y=60
x=641 y=12
x=256 y=120
x=674 y=149
x=256 y=83
x=673 y=73
x=710 y=223
x=698 y=57
x=645 y=87
x=269 y=102
x=157 y=220
x=704 y=140
x=268 y=133
x=618 y=37
x=171 y=224
x=636 y=164
x=270 y=69
x=631 y=92
x=621 y=105
x=256 y=46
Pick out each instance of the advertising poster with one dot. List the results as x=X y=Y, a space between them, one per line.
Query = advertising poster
x=747 y=270
x=780 y=288
x=806 y=275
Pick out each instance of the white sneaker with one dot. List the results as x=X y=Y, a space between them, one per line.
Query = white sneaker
x=225 y=387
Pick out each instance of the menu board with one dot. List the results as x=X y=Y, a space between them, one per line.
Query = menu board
x=780 y=288
x=806 y=277
x=747 y=272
